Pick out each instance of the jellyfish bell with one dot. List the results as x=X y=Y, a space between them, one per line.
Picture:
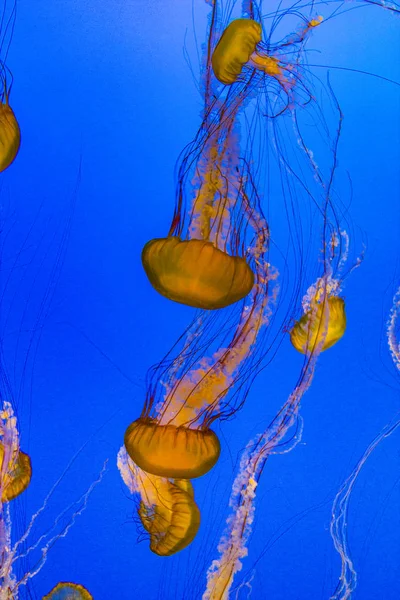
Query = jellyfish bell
x=174 y=520
x=15 y=476
x=170 y=451
x=233 y=51
x=10 y=136
x=196 y=272
x=240 y=45
x=324 y=324
x=68 y=591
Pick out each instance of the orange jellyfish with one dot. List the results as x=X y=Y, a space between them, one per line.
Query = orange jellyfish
x=16 y=472
x=240 y=45
x=323 y=323
x=68 y=591
x=10 y=136
x=202 y=262
x=167 y=510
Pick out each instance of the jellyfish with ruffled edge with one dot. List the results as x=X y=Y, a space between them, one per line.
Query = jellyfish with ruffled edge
x=202 y=262
x=173 y=436
x=324 y=318
x=16 y=468
x=68 y=591
x=167 y=509
x=240 y=47
x=10 y=135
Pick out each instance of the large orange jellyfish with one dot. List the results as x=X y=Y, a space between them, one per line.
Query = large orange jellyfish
x=240 y=45
x=202 y=262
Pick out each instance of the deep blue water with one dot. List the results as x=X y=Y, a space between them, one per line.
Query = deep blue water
x=106 y=102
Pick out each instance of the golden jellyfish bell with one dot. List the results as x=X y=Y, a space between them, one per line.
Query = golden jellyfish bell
x=68 y=591
x=324 y=324
x=170 y=451
x=10 y=136
x=174 y=521
x=196 y=273
x=16 y=477
x=234 y=49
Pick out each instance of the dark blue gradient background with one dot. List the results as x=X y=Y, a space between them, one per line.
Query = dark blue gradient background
x=104 y=84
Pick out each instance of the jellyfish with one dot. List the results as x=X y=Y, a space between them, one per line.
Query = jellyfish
x=240 y=45
x=234 y=49
x=203 y=264
x=16 y=469
x=68 y=591
x=10 y=135
x=324 y=319
x=167 y=510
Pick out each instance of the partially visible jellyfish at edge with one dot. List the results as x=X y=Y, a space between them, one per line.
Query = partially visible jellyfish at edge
x=347 y=581
x=68 y=591
x=10 y=134
x=12 y=552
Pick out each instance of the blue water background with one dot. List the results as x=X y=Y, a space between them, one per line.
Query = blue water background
x=104 y=86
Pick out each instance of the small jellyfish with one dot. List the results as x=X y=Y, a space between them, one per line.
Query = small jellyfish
x=240 y=45
x=10 y=136
x=15 y=475
x=15 y=469
x=324 y=323
x=167 y=509
x=68 y=591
